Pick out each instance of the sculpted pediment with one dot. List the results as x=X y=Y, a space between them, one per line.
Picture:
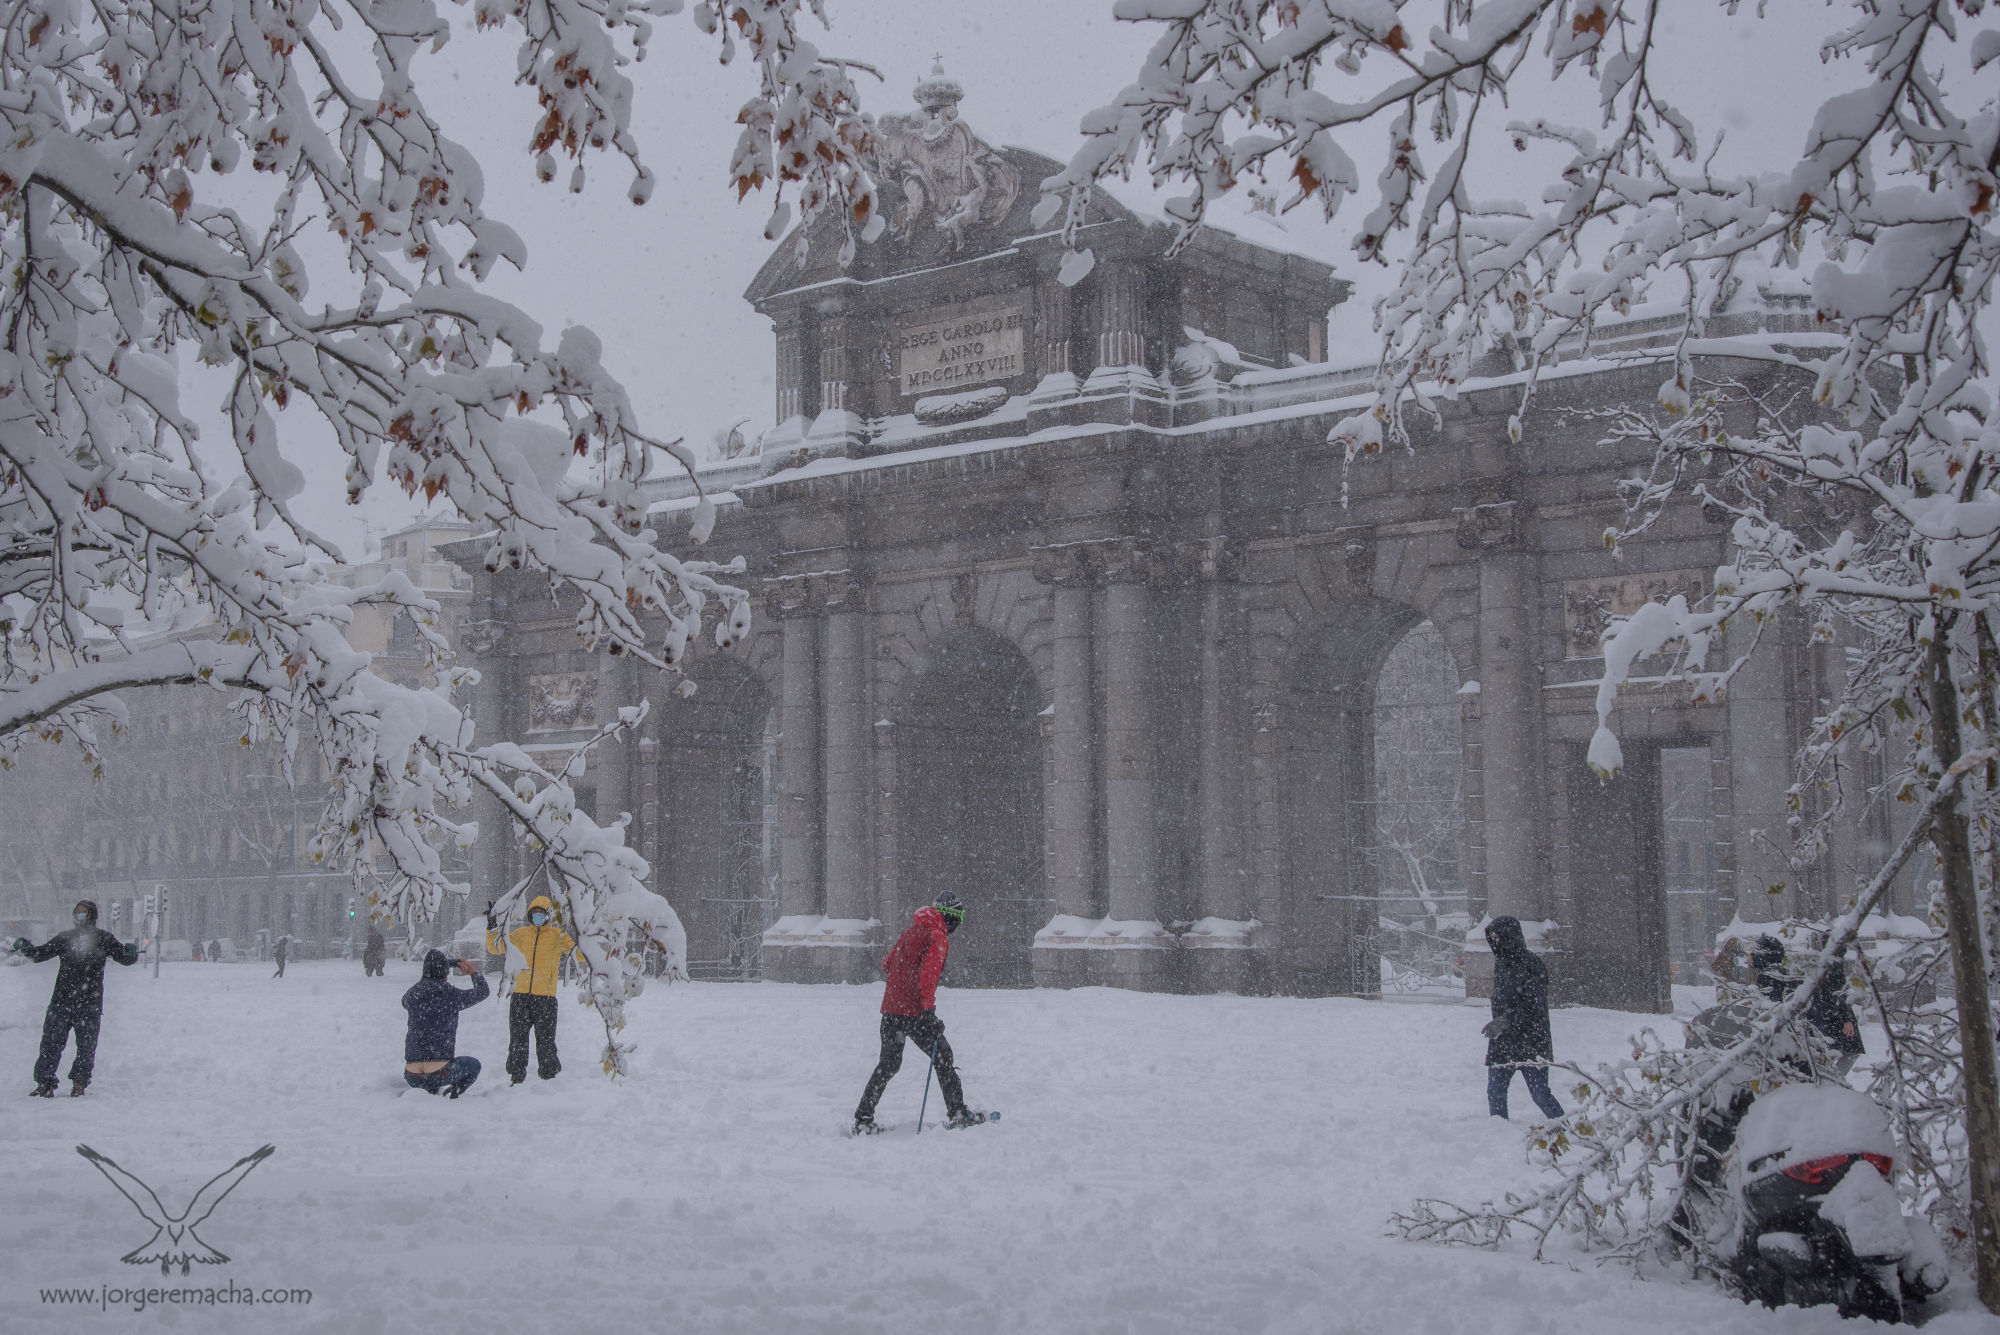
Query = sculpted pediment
x=946 y=194
x=952 y=184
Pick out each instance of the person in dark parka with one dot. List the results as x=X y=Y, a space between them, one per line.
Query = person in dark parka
x=1518 y=1038
x=1828 y=1011
x=77 y=1003
x=278 y=954
x=430 y=1047
x=374 y=954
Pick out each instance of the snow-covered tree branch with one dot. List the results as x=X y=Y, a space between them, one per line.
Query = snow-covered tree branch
x=338 y=279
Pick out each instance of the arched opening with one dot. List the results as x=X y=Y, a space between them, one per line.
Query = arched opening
x=714 y=849
x=1330 y=940
x=969 y=761
x=1415 y=822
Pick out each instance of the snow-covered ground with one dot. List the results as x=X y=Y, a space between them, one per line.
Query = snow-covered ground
x=1198 y=1164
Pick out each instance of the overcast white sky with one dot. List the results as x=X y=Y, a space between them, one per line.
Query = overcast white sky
x=663 y=284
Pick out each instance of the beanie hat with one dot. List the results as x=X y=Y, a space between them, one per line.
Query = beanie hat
x=951 y=906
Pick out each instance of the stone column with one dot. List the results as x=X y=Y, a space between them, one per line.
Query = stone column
x=616 y=689
x=791 y=365
x=839 y=427
x=844 y=706
x=799 y=884
x=493 y=856
x=1510 y=736
x=1760 y=753
x=1131 y=842
x=837 y=331
x=1222 y=959
x=1120 y=316
x=1052 y=327
x=1071 y=838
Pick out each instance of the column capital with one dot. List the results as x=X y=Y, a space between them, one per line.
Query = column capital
x=815 y=591
x=1096 y=561
x=1489 y=525
x=481 y=637
x=1205 y=560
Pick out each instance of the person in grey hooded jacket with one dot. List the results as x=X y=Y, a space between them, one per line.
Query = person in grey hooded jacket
x=1518 y=1038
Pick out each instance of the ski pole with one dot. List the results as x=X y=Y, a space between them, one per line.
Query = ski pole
x=927 y=1088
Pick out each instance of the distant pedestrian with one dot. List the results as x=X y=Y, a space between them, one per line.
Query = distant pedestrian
x=1518 y=1037
x=374 y=953
x=430 y=1046
x=534 y=955
x=215 y=952
x=77 y=1003
x=909 y=1011
x=278 y=954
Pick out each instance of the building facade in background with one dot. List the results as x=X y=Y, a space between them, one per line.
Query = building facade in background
x=185 y=804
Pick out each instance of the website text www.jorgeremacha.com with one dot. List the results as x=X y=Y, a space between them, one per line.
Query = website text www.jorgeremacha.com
x=105 y=1297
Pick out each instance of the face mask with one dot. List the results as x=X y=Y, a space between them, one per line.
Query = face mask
x=538 y=918
x=81 y=919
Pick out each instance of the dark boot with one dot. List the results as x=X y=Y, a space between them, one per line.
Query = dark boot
x=865 y=1126
x=964 y=1117
x=42 y=1092
x=76 y=1088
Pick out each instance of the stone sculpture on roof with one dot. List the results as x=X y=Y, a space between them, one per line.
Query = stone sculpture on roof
x=950 y=180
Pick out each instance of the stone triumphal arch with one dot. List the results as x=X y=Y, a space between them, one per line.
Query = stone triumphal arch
x=1060 y=606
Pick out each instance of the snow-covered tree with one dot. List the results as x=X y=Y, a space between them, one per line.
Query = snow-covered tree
x=261 y=183
x=1861 y=466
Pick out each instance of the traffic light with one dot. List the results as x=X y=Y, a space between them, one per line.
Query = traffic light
x=350 y=906
x=149 y=906
x=163 y=901
x=117 y=911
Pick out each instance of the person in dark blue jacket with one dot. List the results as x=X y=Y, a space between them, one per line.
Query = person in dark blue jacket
x=430 y=1049
x=77 y=1004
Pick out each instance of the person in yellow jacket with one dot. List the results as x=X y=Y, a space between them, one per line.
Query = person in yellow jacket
x=534 y=956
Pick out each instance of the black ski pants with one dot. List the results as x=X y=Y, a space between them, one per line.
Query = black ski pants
x=925 y=1031
x=527 y=1012
x=57 y=1026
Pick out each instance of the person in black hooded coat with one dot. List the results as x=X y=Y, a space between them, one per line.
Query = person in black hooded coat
x=1517 y=1037
x=77 y=1004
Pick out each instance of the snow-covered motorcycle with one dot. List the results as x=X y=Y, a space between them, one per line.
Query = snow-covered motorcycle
x=1789 y=1182
x=1819 y=1222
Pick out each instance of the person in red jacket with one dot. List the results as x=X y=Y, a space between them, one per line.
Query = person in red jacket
x=909 y=1011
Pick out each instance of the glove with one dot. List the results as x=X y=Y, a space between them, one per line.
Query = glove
x=1493 y=1028
x=20 y=945
x=492 y=919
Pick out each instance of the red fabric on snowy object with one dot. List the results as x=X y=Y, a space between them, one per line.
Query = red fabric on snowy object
x=914 y=963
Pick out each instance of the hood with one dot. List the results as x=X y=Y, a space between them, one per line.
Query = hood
x=88 y=906
x=930 y=917
x=542 y=902
x=1504 y=934
x=436 y=964
x=1767 y=953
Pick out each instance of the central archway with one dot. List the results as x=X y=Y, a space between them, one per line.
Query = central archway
x=1339 y=820
x=714 y=848
x=969 y=758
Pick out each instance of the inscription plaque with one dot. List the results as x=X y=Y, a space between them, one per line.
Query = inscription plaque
x=942 y=355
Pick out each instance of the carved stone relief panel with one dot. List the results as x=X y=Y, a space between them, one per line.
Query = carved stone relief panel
x=560 y=700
